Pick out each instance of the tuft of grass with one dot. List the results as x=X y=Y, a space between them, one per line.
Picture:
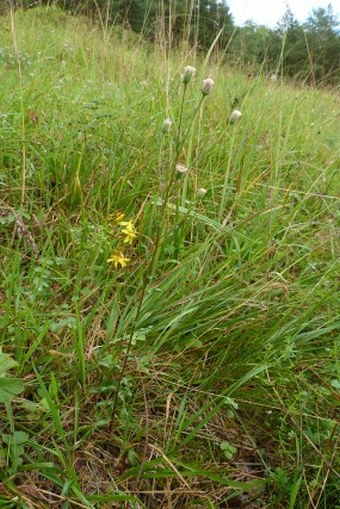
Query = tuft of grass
x=205 y=373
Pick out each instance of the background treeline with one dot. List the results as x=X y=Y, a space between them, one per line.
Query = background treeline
x=307 y=51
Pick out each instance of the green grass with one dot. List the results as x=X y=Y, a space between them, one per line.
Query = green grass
x=205 y=373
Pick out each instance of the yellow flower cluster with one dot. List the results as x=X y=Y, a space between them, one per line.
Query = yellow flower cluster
x=117 y=258
x=115 y=218
x=127 y=234
x=129 y=231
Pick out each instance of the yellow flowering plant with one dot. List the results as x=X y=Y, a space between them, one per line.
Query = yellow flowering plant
x=117 y=259
x=115 y=218
x=125 y=233
x=129 y=231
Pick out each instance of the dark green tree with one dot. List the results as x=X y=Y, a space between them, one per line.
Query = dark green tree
x=293 y=50
x=250 y=44
x=213 y=17
x=323 y=39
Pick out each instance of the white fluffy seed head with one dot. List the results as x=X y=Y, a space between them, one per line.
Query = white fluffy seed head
x=189 y=72
x=201 y=192
x=167 y=125
x=207 y=86
x=181 y=169
x=235 y=116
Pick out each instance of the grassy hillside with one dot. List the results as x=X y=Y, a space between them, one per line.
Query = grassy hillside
x=163 y=347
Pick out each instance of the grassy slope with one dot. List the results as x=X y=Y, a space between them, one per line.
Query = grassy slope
x=230 y=386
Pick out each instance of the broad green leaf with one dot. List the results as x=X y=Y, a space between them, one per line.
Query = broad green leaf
x=6 y=363
x=9 y=388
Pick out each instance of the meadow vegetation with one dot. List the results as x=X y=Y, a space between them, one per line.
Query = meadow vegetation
x=169 y=321
x=305 y=51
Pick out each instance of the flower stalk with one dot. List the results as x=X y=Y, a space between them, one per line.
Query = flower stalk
x=175 y=169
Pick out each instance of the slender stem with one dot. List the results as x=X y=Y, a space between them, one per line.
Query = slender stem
x=149 y=273
x=23 y=127
x=193 y=117
x=226 y=177
x=179 y=132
